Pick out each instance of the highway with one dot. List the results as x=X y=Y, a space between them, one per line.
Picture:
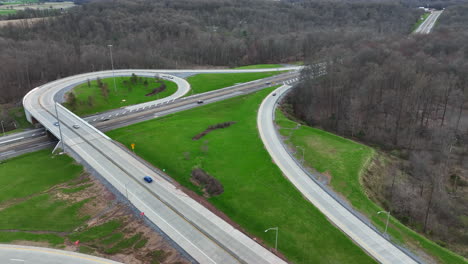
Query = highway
x=362 y=234
x=428 y=24
x=198 y=231
x=36 y=139
x=15 y=254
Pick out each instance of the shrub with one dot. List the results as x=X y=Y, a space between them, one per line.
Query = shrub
x=212 y=185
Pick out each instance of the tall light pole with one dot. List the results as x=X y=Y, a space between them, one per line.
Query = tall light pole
x=3 y=129
x=388 y=218
x=59 y=126
x=112 y=64
x=302 y=153
x=276 y=240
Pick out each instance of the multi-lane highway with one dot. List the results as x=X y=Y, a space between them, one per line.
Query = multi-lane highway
x=203 y=235
x=15 y=254
x=428 y=24
x=36 y=139
x=364 y=236
x=198 y=231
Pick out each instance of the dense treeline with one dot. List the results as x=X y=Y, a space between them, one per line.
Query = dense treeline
x=32 y=13
x=181 y=33
x=410 y=97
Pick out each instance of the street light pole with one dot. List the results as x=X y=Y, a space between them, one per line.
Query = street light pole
x=276 y=240
x=302 y=153
x=3 y=129
x=59 y=126
x=388 y=218
x=112 y=64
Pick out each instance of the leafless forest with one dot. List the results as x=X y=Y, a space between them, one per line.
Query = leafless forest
x=180 y=33
x=407 y=96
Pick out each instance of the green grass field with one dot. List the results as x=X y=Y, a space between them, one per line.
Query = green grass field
x=18 y=2
x=259 y=66
x=29 y=186
x=132 y=93
x=26 y=203
x=256 y=194
x=7 y=11
x=34 y=173
x=201 y=83
x=344 y=160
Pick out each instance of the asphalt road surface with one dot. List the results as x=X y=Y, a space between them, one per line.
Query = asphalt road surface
x=202 y=234
x=364 y=236
x=14 y=254
x=428 y=24
x=36 y=139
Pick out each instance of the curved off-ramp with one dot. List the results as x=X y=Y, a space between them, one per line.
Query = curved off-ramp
x=15 y=254
x=363 y=235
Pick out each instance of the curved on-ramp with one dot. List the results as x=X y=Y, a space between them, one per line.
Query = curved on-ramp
x=15 y=254
x=367 y=238
x=199 y=232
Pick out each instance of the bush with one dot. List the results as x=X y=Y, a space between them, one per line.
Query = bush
x=212 y=185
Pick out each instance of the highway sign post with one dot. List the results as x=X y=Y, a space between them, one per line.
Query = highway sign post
x=133 y=147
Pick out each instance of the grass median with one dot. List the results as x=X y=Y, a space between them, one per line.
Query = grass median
x=256 y=194
x=343 y=161
x=206 y=82
x=92 y=98
x=259 y=66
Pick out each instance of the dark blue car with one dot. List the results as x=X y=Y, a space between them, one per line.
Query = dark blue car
x=148 y=179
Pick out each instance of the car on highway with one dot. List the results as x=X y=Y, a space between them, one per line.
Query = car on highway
x=274 y=94
x=56 y=124
x=268 y=83
x=148 y=179
x=75 y=126
x=200 y=102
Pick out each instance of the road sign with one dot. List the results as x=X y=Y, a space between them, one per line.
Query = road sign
x=77 y=242
x=132 y=145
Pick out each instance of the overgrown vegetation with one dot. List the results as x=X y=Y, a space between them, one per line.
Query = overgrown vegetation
x=210 y=184
x=256 y=195
x=211 y=128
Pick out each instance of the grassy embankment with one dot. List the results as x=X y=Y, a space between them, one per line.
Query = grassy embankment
x=7 y=11
x=256 y=194
x=16 y=115
x=344 y=160
x=202 y=83
x=126 y=93
x=421 y=20
x=45 y=198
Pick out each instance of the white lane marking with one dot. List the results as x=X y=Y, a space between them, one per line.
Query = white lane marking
x=102 y=117
x=7 y=152
x=15 y=139
x=17 y=260
x=33 y=135
x=94 y=119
